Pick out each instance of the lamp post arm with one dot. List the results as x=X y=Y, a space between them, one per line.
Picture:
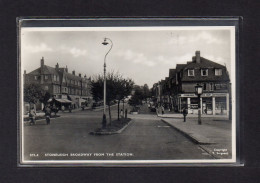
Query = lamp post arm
x=108 y=50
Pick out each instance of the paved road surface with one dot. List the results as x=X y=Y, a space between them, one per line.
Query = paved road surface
x=146 y=138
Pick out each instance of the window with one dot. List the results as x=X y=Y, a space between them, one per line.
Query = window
x=46 y=87
x=46 y=77
x=204 y=72
x=204 y=86
x=191 y=72
x=218 y=72
x=58 y=78
x=221 y=86
x=211 y=86
x=35 y=77
x=63 y=80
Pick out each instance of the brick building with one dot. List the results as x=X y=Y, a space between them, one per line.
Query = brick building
x=62 y=85
x=180 y=86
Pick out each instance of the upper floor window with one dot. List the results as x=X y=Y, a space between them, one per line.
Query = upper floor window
x=58 y=78
x=211 y=86
x=35 y=77
x=46 y=76
x=191 y=72
x=204 y=86
x=204 y=72
x=218 y=72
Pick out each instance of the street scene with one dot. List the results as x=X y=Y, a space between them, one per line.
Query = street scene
x=106 y=95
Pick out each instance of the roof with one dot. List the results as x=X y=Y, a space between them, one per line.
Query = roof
x=205 y=63
x=69 y=75
x=180 y=67
x=172 y=73
x=46 y=70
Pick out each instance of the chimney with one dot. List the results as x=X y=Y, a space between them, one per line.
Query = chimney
x=42 y=62
x=79 y=75
x=73 y=72
x=24 y=72
x=57 y=66
x=197 y=53
x=66 y=69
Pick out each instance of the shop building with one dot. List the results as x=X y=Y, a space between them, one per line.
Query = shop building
x=212 y=76
x=61 y=84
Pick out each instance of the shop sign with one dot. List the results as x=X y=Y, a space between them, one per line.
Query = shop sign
x=219 y=94
x=203 y=95
x=188 y=95
x=194 y=106
x=206 y=95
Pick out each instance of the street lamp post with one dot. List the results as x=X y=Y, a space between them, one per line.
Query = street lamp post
x=199 y=91
x=104 y=112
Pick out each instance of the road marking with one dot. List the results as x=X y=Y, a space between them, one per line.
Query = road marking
x=163 y=126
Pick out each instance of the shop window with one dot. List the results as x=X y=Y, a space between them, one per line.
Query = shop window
x=218 y=72
x=204 y=72
x=191 y=72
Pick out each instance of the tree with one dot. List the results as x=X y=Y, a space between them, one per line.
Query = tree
x=136 y=97
x=146 y=91
x=117 y=88
x=44 y=99
x=33 y=93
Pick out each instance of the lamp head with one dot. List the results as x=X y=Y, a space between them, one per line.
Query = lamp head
x=105 y=42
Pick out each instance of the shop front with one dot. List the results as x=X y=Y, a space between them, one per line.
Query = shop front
x=211 y=103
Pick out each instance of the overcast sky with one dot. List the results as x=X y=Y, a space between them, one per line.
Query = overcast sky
x=145 y=56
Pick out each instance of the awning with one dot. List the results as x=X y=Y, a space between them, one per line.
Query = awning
x=63 y=100
x=82 y=100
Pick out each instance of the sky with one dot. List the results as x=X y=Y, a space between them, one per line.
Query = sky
x=144 y=55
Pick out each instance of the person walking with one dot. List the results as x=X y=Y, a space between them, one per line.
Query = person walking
x=48 y=114
x=121 y=113
x=162 y=110
x=184 y=112
x=32 y=115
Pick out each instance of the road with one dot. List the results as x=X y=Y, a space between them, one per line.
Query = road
x=146 y=138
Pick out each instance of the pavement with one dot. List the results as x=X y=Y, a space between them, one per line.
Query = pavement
x=180 y=115
x=213 y=135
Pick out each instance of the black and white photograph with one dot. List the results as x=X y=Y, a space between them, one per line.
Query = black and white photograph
x=127 y=95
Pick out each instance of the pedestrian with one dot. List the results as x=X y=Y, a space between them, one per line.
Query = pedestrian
x=121 y=113
x=48 y=114
x=184 y=112
x=125 y=113
x=162 y=110
x=69 y=108
x=62 y=108
x=32 y=115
